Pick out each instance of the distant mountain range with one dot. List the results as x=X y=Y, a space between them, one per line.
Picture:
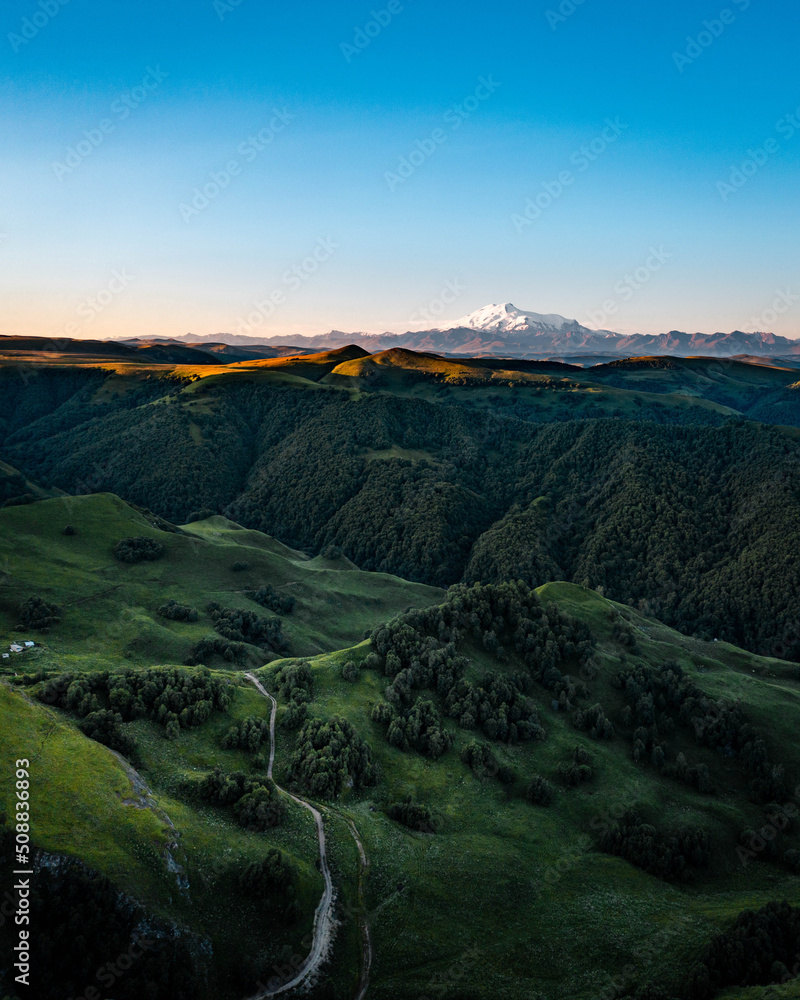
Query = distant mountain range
x=506 y=331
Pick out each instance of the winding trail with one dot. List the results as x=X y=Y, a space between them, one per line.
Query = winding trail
x=323 y=918
x=366 y=940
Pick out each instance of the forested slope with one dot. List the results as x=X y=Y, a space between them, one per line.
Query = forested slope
x=694 y=523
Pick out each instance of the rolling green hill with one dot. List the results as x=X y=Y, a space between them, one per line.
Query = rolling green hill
x=110 y=608
x=506 y=898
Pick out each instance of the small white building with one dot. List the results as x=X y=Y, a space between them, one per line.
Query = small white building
x=6 y=656
x=16 y=648
x=29 y=645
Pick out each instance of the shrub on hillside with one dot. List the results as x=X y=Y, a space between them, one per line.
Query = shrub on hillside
x=792 y=861
x=255 y=800
x=382 y=713
x=36 y=613
x=269 y=598
x=669 y=856
x=479 y=759
x=139 y=549
x=295 y=716
x=178 y=612
x=204 y=651
x=294 y=682
x=413 y=815
x=200 y=515
x=573 y=774
x=350 y=672
x=539 y=792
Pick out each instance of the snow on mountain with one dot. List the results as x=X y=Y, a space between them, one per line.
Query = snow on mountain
x=506 y=318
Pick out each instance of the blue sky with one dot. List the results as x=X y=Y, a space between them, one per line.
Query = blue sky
x=407 y=157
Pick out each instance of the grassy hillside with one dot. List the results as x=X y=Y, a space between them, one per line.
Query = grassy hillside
x=506 y=898
x=110 y=609
x=175 y=856
x=509 y=899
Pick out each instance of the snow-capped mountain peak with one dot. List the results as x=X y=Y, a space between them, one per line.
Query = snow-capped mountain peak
x=505 y=317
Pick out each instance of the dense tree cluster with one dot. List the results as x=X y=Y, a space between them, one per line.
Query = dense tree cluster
x=253 y=798
x=248 y=734
x=210 y=646
x=294 y=685
x=594 y=721
x=178 y=612
x=268 y=597
x=247 y=626
x=418 y=650
x=139 y=549
x=331 y=756
x=420 y=727
x=658 y=696
x=105 y=726
x=36 y=613
x=669 y=856
x=174 y=697
x=761 y=948
x=413 y=815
